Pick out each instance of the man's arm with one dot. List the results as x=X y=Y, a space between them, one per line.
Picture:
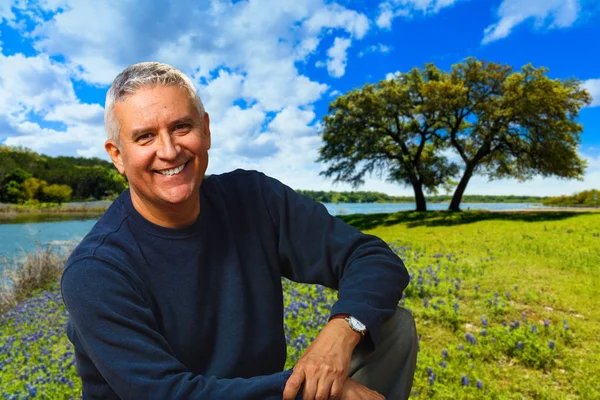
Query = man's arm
x=315 y=247
x=117 y=330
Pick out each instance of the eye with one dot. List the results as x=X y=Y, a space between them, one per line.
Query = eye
x=144 y=137
x=182 y=127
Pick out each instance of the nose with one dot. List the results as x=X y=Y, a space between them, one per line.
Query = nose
x=168 y=148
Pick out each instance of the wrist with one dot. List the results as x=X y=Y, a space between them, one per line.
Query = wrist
x=346 y=336
x=354 y=324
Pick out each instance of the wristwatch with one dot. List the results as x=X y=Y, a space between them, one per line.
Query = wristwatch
x=354 y=324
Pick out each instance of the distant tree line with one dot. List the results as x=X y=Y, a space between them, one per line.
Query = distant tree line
x=26 y=176
x=587 y=198
x=377 y=197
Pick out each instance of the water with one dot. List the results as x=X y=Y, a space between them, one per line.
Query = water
x=374 y=208
x=27 y=233
x=17 y=238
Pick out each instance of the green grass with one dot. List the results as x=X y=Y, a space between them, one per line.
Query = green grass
x=553 y=258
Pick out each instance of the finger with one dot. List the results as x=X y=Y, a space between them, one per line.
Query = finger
x=324 y=388
x=293 y=384
x=310 y=388
x=336 y=389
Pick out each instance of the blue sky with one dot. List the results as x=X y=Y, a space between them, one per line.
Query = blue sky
x=267 y=69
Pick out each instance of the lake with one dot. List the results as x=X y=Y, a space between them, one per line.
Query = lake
x=30 y=231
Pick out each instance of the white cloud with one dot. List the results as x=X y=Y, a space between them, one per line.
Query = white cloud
x=540 y=186
x=593 y=87
x=391 y=75
x=337 y=57
x=77 y=113
x=390 y=9
x=32 y=84
x=546 y=13
x=335 y=16
x=241 y=52
x=5 y=11
x=376 y=48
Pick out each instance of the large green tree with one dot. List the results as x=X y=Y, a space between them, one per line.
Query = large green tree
x=507 y=124
x=500 y=123
x=388 y=128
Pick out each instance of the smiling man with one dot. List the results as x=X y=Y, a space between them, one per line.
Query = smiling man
x=176 y=291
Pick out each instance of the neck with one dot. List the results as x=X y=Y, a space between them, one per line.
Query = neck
x=168 y=215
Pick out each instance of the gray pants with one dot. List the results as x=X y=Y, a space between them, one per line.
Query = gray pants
x=390 y=367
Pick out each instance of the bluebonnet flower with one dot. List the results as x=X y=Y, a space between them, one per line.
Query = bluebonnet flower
x=479 y=384
x=445 y=353
x=32 y=390
x=443 y=364
x=524 y=316
x=546 y=323
x=533 y=329
x=425 y=302
x=483 y=332
x=520 y=345
x=476 y=288
x=551 y=345
x=464 y=380
x=460 y=347
x=484 y=321
x=431 y=379
x=470 y=338
x=429 y=371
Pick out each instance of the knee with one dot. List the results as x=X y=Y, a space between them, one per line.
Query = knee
x=401 y=326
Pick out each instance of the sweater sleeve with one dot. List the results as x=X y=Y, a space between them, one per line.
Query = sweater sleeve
x=315 y=247
x=117 y=331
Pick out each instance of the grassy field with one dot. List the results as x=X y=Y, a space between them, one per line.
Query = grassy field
x=506 y=306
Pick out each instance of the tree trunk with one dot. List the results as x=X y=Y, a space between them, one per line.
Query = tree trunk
x=460 y=189
x=419 y=197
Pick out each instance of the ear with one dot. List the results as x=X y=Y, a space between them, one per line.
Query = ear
x=115 y=155
x=206 y=128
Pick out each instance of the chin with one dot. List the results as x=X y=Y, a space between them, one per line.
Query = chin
x=179 y=195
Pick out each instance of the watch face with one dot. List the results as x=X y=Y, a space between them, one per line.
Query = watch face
x=356 y=324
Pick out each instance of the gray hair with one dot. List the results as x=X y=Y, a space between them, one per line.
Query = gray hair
x=139 y=76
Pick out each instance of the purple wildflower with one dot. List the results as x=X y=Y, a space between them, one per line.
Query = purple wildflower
x=464 y=380
x=551 y=345
x=470 y=338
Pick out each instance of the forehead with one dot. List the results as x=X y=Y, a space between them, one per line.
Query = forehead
x=154 y=104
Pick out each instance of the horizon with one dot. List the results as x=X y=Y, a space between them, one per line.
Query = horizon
x=266 y=79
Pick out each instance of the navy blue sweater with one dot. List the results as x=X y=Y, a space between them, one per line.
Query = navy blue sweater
x=197 y=313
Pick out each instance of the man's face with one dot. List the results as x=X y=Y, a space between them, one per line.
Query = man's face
x=164 y=147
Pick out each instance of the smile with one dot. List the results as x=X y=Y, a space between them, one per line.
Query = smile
x=173 y=171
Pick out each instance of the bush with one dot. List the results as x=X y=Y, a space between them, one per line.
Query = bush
x=39 y=270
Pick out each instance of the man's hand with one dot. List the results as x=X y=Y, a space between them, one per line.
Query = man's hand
x=355 y=391
x=324 y=366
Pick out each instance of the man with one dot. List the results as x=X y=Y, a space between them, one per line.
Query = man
x=176 y=292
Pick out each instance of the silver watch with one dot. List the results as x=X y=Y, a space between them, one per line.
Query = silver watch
x=356 y=325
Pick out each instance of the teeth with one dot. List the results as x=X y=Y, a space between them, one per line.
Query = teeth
x=173 y=171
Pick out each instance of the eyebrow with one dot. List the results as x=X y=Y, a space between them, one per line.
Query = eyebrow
x=186 y=119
